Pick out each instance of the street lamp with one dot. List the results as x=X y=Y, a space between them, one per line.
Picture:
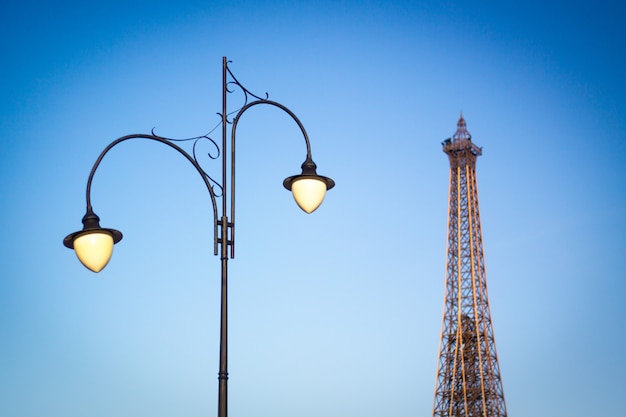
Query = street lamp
x=94 y=244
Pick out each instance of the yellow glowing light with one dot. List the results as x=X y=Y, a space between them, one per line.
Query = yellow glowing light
x=308 y=193
x=94 y=250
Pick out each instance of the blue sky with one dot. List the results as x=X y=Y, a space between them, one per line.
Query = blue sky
x=336 y=313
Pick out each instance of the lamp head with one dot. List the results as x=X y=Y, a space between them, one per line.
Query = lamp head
x=308 y=188
x=93 y=245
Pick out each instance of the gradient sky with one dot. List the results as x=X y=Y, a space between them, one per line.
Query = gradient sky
x=337 y=313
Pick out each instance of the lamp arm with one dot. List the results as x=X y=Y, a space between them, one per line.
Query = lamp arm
x=232 y=161
x=275 y=104
x=180 y=150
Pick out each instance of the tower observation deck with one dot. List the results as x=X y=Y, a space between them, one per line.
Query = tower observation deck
x=468 y=379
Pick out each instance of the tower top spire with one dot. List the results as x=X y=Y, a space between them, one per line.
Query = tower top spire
x=460 y=147
x=461 y=130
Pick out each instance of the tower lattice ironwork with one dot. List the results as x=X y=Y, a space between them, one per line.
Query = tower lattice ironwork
x=468 y=377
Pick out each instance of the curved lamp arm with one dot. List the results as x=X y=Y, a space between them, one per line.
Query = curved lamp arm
x=308 y=188
x=94 y=244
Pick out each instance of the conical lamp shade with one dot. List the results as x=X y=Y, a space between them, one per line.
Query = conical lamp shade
x=94 y=249
x=308 y=193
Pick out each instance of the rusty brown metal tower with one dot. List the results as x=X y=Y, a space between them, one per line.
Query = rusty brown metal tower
x=468 y=377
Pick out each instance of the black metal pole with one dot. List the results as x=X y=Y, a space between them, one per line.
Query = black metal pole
x=222 y=401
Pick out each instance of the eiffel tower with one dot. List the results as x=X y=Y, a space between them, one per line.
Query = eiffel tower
x=468 y=377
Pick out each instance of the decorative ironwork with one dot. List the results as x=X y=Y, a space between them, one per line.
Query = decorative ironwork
x=468 y=376
x=194 y=153
x=236 y=82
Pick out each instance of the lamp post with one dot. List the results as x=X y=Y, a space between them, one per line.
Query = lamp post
x=94 y=244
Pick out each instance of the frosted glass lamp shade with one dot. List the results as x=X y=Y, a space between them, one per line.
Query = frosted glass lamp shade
x=93 y=245
x=308 y=193
x=308 y=188
x=94 y=249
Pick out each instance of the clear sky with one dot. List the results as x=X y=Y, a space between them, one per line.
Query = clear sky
x=337 y=313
